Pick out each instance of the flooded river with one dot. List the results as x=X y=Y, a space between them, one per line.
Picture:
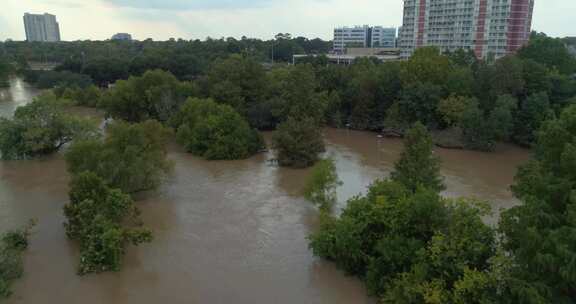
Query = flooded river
x=224 y=232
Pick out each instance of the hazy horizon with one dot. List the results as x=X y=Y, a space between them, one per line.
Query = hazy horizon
x=162 y=20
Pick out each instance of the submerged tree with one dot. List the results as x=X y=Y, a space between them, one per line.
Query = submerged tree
x=298 y=143
x=322 y=183
x=104 y=221
x=418 y=166
x=12 y=246
x=215 y=131
x=132 y=157
x=40 y=128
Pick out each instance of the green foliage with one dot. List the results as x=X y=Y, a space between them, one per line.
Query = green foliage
x=104 y=221
x=426 y=65
x=295 y=91
x=477 y=133
x=5 y=70
x=240 y=82
x=298 y=142
x=41 y=127
x=411 y=247
x=88 y=97
x=132 y=157
x=551 y=52
x=215 y=131
x=419 y=102
x=451 y=109
x=322 y=183
x=532 y=113
x=541 y=233
x=418 y=166
x=155 y=95
x=51 y=79
x=12 y=246
x=480 y=131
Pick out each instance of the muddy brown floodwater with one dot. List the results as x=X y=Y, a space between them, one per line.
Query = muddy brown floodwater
x=224 y=232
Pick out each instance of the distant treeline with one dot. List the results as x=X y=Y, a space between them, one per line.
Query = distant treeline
x=108 y=61
x=467 y=103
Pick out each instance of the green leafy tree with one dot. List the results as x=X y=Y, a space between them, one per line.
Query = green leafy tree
x=418 y=166
x=240 y=82
x=41 y=127
x=155 y=95
x=298 y=143
x=477 y=131
x=322 y=183
x=501 y=118
x=215 y=131
x=541 y=233
x=132 y=157
x=426 y=65
x=452 y=109
x=419 y=103
x=296 y=92
x=413 y=247
x=12 y=246
x=104 y=221
x=551 y=52
x=5 y=70
x=533 y=111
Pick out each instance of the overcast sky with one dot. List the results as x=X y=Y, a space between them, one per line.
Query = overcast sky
x=191 y=19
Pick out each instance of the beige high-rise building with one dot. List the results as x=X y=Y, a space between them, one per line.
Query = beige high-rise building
x=41 y=27
x=487 y=27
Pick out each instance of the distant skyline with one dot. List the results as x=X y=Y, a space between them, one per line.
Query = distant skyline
x=198 y=19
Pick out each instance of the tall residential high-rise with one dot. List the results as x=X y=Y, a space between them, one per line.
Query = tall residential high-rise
x=363 y=37
x=41 y=27
x=487 y=27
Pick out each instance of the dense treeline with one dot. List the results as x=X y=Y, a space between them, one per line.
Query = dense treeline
x=108 y=61
x=466 y=103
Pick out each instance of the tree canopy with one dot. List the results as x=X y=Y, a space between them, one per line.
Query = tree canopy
x=418 y=166
x=215 y=131
x=541 y=233
x=154 y=95
x=104 y=221
x=132 y=157
x=298 y=143
x=41 y=127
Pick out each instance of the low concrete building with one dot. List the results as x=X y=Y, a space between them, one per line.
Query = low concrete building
x=382 y=54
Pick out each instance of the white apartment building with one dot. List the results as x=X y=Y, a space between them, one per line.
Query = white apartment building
x=41 y=27
x=363 y=37
x=487 y=27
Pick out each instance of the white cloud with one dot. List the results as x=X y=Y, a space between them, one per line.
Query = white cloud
x=99 y=19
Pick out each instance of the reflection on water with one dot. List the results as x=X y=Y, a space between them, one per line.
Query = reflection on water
x=225 y=232
x=19 y=93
